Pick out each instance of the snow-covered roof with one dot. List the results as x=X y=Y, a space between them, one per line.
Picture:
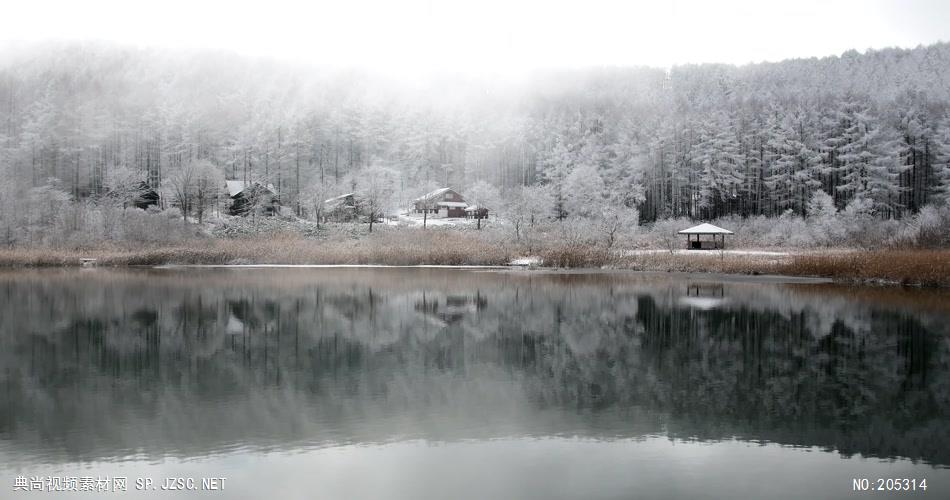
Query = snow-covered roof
x=339 y=198
x=237 y=187
x=472 y=208
x=234 y=187
x=433 y=194
x=459 y=204
x=706 y=228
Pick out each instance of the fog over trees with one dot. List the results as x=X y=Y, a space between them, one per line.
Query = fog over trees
x=80 y=122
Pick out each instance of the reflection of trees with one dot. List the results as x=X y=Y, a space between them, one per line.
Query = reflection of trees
x=185 y=364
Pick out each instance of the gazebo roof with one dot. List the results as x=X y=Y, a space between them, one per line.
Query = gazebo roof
x=706 y=228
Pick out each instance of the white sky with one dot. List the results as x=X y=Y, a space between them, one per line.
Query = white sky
x=491 y=36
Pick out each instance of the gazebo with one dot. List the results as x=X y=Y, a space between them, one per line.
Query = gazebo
x=717 y=241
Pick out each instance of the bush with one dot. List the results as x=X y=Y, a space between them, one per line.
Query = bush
x=852 y=228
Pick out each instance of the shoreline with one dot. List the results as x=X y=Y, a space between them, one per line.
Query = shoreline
x=890 y=267
x=516 y=269
x=327 y=266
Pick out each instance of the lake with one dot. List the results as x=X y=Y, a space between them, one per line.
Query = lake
x=471 y=384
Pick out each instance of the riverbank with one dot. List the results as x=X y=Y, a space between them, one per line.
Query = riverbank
x=917 y=267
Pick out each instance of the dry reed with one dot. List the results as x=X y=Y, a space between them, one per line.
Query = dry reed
x=420 y=247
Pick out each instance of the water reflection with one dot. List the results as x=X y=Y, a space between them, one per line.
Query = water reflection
x=109 y=364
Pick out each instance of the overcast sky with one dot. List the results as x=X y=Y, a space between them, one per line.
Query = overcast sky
x=493 y=36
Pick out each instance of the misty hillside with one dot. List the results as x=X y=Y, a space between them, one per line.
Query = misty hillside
x=78 y=122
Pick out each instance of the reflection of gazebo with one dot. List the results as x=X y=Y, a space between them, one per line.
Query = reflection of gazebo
x=718 y=237
x=704 y=297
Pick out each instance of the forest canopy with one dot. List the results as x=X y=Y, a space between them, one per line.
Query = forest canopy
x=79 y=122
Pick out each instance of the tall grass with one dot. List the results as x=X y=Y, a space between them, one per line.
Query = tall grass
x=699 y=262
x=436 y=247
x=393 y=248
x=907 y=267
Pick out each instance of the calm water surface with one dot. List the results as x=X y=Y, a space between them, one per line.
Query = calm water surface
x=432 y=383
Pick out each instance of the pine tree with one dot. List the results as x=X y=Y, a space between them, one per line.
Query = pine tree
x=942 y=163
x=719 y=158
x=806 y=177
x=882 y=186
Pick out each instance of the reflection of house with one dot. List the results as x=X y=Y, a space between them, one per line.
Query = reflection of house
x=343 y=208
x=444 y=202
x=715 y=237
x=252 y=197
x=451 y=309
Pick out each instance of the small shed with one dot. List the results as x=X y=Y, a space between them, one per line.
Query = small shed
x=715 y=237
x=476 y=212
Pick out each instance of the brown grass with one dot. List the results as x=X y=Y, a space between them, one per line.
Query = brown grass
x=702 y=263
x=906 y=267
x=421 y=247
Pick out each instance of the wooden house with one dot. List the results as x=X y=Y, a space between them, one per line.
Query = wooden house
x=443 y=202
x=343 y=208
x=252 y=197
x=146 y=196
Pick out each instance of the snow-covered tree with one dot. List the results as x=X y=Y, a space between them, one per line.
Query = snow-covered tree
x=584 y=192
x=124 y=186
x=376 y=188
x=484 y=196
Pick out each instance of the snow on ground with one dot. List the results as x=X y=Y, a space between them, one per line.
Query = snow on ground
x=416 y=220
x=532 y=260
x=764 y=253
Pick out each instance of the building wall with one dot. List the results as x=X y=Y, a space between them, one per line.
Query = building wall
x=436 y=211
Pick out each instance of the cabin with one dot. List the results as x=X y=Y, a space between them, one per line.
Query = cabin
x=705 y=237
x=443 y=202
x=343 y=208
x=147 y=197
x=252 y=197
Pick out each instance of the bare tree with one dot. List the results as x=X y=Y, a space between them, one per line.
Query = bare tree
x=178 y=186
x=483 y=196
x=208 y=182
x=425 y=201
x=615 y=218
x=375 y=192
x=314 y=196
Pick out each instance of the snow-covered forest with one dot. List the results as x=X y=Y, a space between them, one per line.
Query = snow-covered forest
x=86 y=124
